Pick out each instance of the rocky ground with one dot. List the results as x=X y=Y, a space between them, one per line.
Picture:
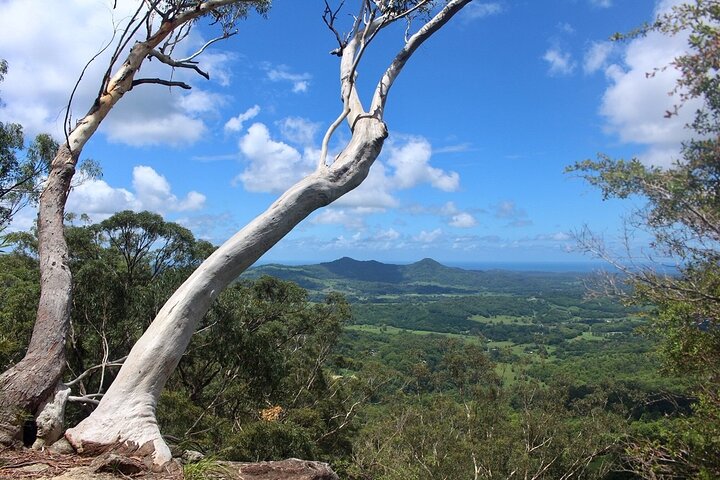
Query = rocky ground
x=36 y=465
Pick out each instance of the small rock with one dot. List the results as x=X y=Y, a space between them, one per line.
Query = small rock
x=34 y=468
x=291 y=469
x=61 y=446
x=113 y=463
x=191 y=456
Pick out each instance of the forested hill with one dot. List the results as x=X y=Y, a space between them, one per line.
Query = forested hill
x=427 y=277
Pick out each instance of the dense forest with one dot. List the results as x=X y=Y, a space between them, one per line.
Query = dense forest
x=511 y=372
x=384 y=371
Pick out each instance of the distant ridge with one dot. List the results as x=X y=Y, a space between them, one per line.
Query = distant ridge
x=366 y=270
x=358 y=278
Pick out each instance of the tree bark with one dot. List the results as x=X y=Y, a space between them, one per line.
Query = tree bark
x=30 y=382
x=125 y=418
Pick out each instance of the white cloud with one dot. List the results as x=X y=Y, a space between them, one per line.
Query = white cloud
x=347 y=218
x=152 y=192
x=299 y=130
x=429 y=237
x=273 y=166
x=407 y=165
x=235 y=124
x=449 y=208
x=200 y=101
x=412 y=167
x=281 y=73
x=374 y=192
x=390 y=234
x=602 y=3
x=637 y=97
x=560 y=62
x=463 y=220
x=566 y=28
x=175 y=130
x=477 y=10
x=596 y=56
x=508 y=210
x=36 y=48
x=448 y=212
x=97 y=197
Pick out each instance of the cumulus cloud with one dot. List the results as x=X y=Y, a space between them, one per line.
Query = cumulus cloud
x=463 y=220
x=36 y=48
x=154 y=193
x=299 y=130
x=559 y=61
x=273 y=166
x=637 y=97
x=508 y=210
x=235 y=124
x=448 y=212
x=97 y=197
x=596 y=57
x=151 y=192
x=411 y=163
x=281 y=73
x=347 y=218
x=374 y=192
x=175 y=130
x=429 y=237
x=477 y=10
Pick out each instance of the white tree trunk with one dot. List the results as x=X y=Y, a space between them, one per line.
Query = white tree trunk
x=51 y=417
x=125 y=418
x=31 y=382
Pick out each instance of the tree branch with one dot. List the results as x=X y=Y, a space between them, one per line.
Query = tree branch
x=392 y=72
x=185 y=63
x=160 y=81
x=113 y=363
x=207 y=44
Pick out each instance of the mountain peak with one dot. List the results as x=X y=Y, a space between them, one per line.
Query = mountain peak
x=428 y=262
x=367 y=270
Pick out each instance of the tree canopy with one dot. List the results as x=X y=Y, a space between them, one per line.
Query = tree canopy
x=682 y=214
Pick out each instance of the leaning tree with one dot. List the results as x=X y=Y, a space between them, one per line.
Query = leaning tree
x=154 y=30
x=125 y=418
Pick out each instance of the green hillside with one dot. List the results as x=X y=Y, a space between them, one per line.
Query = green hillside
x=361 y=279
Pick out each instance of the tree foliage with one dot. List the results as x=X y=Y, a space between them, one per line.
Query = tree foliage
x=683 y=216
x=20 y=178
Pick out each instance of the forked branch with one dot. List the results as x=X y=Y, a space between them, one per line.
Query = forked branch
x=434 y=24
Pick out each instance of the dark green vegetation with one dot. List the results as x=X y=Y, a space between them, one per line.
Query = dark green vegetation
x=509 y=372
x=518 y=317
x=682 y=213
x=431 y=372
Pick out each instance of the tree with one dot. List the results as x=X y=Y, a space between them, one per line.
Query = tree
x=125 y=418
x=20 y=178
x=156 y=27
x=683 y=216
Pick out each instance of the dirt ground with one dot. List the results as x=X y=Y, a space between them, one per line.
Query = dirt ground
x=24 y=463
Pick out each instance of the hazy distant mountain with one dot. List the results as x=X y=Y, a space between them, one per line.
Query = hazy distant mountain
x=427 y=277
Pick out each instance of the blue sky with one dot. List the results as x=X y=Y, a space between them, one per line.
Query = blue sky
x=482 y=123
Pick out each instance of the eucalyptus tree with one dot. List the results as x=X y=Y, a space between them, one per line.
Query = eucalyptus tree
x=20 y=177
x=682 y=214
x=125 y=418
x=152 y=31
